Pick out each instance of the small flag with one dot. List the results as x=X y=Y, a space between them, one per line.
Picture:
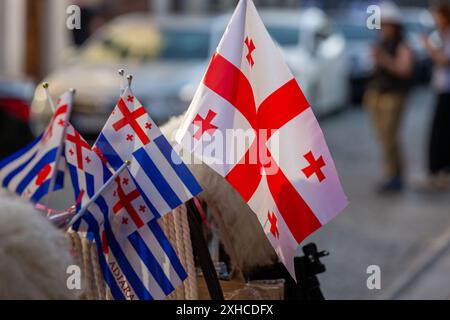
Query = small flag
x=136 y=259
x=29 y=172
x=130 y=134
x=285 y=172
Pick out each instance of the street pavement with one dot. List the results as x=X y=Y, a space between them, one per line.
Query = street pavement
x=397 y=233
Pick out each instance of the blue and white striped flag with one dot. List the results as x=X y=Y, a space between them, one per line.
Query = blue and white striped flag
x=130 y=134
x=136 y=259
x=29 y=171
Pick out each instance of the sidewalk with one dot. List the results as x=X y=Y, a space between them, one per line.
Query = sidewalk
x=386 y=231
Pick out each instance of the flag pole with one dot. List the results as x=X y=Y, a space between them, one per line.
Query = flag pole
x=98 y=193
x=49 y=97
x=122 y=80
x=60 y=146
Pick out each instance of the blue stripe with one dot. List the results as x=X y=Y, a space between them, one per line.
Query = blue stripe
x=157 y=178
x=90 y=187
x=168 y=249
x=19 y=153
x=106 y=173
x=47 y=159
x=133 y=279
x=13 y=173
x=180 y=168
x=108 y=151
x=153 y=265
x=76 y=190
x=107 y=275
x=43 y=188
x=146 y=200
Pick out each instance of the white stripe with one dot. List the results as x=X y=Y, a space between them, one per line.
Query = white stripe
x=18 y=162
x=151 y=191
x=168 y=173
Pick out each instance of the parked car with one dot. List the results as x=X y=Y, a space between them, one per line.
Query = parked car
x=314 y=52
x=168 y=56
x=164 y=56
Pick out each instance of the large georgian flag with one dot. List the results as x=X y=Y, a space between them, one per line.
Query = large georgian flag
x=285 y=172
x=29 y=171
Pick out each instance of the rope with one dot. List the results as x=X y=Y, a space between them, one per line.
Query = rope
x=98 y=276
x=191 y=282
x=88 y=270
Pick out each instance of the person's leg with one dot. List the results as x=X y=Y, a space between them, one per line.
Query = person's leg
x=391 y=105
x=438 y=148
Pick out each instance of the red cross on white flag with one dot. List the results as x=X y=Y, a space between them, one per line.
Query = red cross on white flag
x=291 y=184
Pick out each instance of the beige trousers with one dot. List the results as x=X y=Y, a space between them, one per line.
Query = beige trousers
x=386 y=110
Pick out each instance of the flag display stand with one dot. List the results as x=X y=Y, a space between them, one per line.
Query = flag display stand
x=200 y=248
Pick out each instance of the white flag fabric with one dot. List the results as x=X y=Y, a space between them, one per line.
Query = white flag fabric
x=251 y=123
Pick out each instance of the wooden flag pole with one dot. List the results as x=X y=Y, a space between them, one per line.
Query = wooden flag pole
x=201 y=248
x=49 y=97
x=98 y=193
x=122 y=80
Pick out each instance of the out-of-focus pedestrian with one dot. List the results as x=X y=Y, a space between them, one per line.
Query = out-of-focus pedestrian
x=387 y=91
x=439 y=148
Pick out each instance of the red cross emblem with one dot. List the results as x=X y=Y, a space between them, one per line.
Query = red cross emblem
x=124 y=202
x=315 y=166
x=273 y=224
x=266 y=118
x=129 y=118
x=204 y=125
x=49 y=132
x=79 y=145
x=250 y=47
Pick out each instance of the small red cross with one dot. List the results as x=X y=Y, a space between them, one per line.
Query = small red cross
x=130 y=98
x=100 y=154
x=251 y=47
x=148 y=125
x=124 y=220
x=88 y=160
x=125 y=181
x=79 y=145
x=129 y=137
x=61 y=122
x=71 y=152
x=58 y=101
x=315 y=166
x=142 y=208
x=273 y=224
x=204 y=124
x=125 y=203
x=129 y=118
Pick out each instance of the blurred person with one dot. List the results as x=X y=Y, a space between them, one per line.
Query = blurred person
x=439 y=145
x=387 y=91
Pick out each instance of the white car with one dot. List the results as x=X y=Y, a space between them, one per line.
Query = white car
x=169 y=55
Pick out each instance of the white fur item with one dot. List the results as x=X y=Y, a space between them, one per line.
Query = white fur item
x=34 y=255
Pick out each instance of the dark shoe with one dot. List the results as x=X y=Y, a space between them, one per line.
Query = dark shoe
x=392 y=186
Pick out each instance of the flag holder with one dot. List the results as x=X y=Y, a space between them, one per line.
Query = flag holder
x=200 y=248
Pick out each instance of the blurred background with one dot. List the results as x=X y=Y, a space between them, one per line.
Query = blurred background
x=166 y=45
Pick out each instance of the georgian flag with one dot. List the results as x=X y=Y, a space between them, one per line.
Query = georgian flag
x=136 y=258
x=29 y=171
x=276 y=156
x=162 y=177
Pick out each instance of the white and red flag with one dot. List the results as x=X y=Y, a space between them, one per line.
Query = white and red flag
x=251 y=123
